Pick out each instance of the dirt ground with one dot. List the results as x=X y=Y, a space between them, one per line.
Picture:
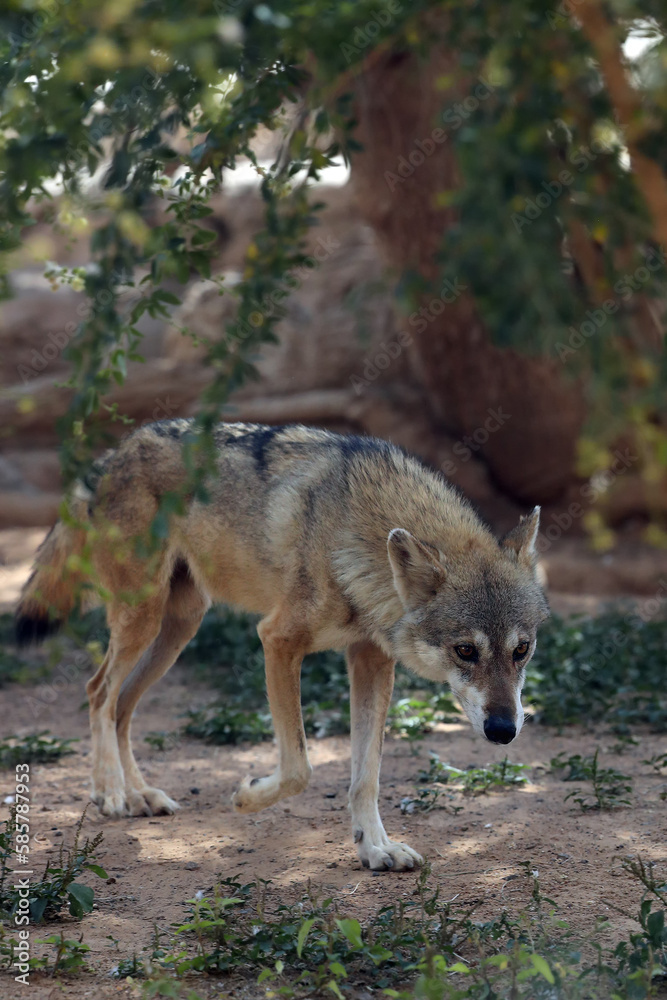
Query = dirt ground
x=157 y=864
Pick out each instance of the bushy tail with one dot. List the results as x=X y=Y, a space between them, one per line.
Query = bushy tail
x=50 y=594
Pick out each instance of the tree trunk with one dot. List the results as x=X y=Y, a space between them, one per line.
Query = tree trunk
x=520 y=412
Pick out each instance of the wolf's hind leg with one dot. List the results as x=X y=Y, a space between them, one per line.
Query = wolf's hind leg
x=371 y=683
x=133 y=629
x=183 y=613
x=284 y=649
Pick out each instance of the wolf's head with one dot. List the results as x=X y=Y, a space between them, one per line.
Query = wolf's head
x=471 y=619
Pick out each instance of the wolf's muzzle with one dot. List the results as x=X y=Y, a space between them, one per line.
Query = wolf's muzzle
x=499 y=729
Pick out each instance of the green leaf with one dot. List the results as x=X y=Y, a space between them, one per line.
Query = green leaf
x=168 y=297
x=352 y=930
x=655 y=924
x=98 y=870
x=81 y=899
x=542 y=967
x=459 y=967
x=379 y=954
x=37 y=907
x=203 y=236
x=304 y=931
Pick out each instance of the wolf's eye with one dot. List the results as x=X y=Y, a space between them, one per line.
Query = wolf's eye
x=520 y=650
x=466 y=651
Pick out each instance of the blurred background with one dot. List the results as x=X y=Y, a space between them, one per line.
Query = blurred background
x=441 y=226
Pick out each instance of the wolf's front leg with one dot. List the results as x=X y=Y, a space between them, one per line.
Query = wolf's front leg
x=371 y=683
x=284 y=649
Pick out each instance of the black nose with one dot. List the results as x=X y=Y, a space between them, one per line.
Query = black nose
x=499 y=729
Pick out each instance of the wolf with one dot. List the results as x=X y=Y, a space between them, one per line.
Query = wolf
x=337 y=542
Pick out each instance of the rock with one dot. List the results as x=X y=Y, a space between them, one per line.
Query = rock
x=10 y=476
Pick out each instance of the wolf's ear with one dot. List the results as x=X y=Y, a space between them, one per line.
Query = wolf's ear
x=417 y=570
x=521 y=539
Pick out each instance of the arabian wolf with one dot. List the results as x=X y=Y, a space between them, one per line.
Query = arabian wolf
x=338 y=543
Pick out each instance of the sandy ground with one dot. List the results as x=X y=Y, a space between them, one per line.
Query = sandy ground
x=156 y=864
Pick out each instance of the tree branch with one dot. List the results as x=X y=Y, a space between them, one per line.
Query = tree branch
x=603 y=37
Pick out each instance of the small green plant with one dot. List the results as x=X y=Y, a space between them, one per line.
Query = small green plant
x=642 y=959
x=623 y=743
x=610 y=787
x=475 y=780
x=161 y=985
x=147 y=968
x=162 y=740
x=309 y=946
x=425 y=800
x=223 y=725
x=8 y=854
x=134 y=967
x=413 y=718
x=323 y=719
x=416 y=949
x=658 y=761
x=70 y=955
x=8 y=948
x=36 y=748
x=58 y=886
x=608 y=667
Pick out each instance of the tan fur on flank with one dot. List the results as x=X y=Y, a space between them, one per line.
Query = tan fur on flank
x=338 y=543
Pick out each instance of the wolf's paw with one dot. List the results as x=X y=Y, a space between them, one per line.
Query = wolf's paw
x=254 y=794
x=388 y=856
x=110 y=803
x=149 y=801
